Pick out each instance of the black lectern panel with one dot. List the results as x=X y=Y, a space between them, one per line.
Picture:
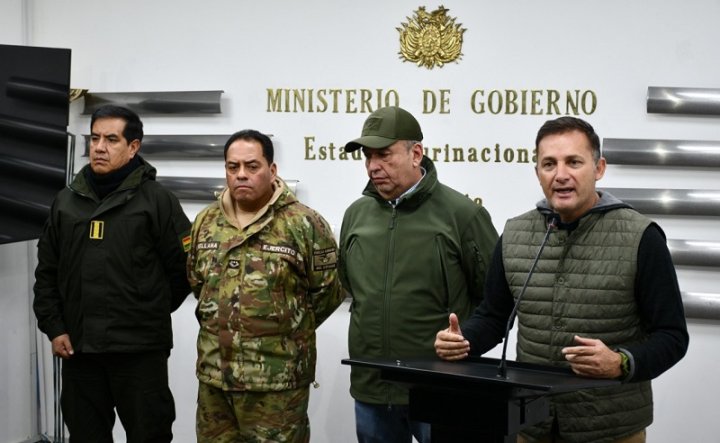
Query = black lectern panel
x=468 y=402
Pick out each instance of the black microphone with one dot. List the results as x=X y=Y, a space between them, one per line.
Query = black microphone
x=502 y=368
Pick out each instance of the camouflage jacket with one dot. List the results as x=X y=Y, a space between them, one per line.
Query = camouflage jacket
x=262 y=291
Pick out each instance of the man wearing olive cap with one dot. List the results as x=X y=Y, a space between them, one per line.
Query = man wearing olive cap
x=411 y=250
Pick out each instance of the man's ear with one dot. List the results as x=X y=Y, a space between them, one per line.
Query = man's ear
x=600 y=168
x=417 y=152
x=134 y=147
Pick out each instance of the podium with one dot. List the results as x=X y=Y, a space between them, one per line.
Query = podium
x=467 y=401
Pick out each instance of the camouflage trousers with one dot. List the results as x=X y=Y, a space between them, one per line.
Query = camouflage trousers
x=252 y=417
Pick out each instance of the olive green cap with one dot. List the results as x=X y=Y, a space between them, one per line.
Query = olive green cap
x=386 y=126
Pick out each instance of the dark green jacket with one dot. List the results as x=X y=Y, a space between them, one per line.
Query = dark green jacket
x=111 y=271
x=407 y=268
x=584 y=284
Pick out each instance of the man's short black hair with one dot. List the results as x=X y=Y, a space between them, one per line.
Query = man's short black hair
x=566 y=124
x=133 y=126
x=251 y=134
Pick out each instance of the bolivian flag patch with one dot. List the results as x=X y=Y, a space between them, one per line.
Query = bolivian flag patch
x=186 y=241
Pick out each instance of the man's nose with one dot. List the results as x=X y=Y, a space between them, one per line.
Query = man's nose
x=371 y=163
x=99 y=145
x=241 y=172
x=561 y=172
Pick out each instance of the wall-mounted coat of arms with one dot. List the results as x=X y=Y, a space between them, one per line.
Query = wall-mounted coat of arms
x=431 y=39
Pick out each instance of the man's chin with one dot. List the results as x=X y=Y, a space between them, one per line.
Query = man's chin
x=242 y=196
x=99 y=170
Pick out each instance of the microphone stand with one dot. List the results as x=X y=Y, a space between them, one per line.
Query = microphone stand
x=502 y=367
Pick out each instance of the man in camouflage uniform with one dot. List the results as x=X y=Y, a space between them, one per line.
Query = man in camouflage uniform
x=263 y=267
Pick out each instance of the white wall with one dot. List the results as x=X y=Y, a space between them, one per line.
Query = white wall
x=614 y=48
x=18 y=411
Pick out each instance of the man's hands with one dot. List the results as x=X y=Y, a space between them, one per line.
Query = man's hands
x=62 y=347
x=592 y=358
x=449 y=343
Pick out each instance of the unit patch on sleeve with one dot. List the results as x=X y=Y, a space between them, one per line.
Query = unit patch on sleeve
x=324 y=259
x=186 y=243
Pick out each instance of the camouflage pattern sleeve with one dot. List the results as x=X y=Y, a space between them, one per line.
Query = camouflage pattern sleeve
x=193 y=275
x=325 y=291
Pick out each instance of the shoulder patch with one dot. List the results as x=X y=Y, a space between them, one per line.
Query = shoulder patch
x=324 y=259
x=186 y=241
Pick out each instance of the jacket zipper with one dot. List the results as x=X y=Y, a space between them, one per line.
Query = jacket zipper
x=386 y=298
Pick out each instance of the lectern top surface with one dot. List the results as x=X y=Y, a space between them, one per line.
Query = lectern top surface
x=480 y=371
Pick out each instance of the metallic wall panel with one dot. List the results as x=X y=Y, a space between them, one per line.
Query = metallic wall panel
x=695 y=101
x=202 y=188
x=193 y=188
x=146 y=103
x=701 y=305
x=209 y=147
x=670 y=201
x=692 y=153
x=695 y=252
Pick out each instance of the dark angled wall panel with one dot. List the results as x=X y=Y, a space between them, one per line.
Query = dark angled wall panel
x=188 y=147
x=34 y=107
x=147 y=103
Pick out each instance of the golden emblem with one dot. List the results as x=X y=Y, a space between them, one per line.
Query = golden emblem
x=76 y=93
x=431 y=39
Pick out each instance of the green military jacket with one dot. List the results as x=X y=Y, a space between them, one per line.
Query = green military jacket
x=262 y=291
x=407 y=267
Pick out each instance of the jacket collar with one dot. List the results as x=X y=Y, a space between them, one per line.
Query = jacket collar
x=279 y=200
x=144 y=172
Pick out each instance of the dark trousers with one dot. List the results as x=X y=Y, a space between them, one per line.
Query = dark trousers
x=388 y=424
x=134 y=384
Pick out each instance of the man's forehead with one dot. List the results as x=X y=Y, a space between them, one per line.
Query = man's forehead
x=108 y=126
x=551 y=146
x=245 y=157
x=370 y=151
x=244 y=160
